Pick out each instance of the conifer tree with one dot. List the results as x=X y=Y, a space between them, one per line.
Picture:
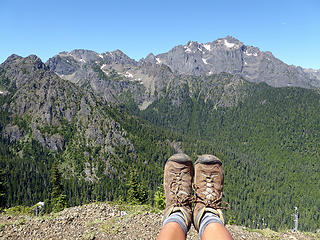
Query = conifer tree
x=58 y=200
x=2 y=190
x=136 y=193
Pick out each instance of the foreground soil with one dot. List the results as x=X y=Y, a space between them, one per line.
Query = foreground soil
x=109 y=221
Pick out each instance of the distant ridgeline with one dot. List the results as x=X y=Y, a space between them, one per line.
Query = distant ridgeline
x=268 y=138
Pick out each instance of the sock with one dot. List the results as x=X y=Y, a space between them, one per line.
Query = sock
x=179 y=218
x=207 y=218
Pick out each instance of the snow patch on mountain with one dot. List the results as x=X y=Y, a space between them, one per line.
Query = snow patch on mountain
x=188 y=50
x=251 y=54
x=207 y=46
x=128 y=75
x=229 y=44
x=102 y=68
x=205 y=60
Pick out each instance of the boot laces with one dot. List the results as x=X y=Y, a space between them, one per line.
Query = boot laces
x=212 y=199
x=182 y=199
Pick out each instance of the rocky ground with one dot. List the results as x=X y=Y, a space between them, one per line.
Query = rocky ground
x=110 y=221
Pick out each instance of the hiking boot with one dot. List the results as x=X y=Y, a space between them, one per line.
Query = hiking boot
x=208 y=186
x=178 y=175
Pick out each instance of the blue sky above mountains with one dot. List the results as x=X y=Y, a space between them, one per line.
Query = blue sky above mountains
x=289 y=29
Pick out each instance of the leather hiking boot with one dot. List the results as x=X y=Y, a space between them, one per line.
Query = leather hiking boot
x=208 y=186
x=178 y=175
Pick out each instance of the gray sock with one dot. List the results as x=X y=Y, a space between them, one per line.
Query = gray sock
x=207 y=218
x=179 y=218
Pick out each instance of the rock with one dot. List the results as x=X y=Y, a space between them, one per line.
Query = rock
x=88 y=222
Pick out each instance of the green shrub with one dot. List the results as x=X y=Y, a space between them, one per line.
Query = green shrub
x=159 y=198
x=19 y=210
x=232 y=220
x=59 y=203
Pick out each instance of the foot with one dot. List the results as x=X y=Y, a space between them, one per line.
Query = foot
x=178 y=175
x=208 y=186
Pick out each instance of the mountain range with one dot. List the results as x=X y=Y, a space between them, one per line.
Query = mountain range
x=155 y=72
x=102 y=116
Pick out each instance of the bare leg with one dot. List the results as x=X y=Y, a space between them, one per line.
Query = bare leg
x=216 y=231
x=171 y=231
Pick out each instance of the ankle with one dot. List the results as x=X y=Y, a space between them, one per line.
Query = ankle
x=179 y=218
x=208 y=218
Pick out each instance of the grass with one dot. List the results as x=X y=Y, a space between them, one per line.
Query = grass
x=88 y=235
x=127 y=212
x=277 y=235
x=136 y=209
x=315 y=235
x=15 y=223
x=95 y=222
x=18 y=210
x=111 y=226
x=265 y=232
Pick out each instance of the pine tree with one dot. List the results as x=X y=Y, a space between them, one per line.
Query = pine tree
x=57 y=187
x=136 y=193
x=58 y=200
x=2 y=190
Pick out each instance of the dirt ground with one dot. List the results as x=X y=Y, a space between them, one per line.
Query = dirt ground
x=109 y=221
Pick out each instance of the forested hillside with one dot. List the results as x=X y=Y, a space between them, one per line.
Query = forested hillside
x=267 y=138
x=269 y=143
x=96 y=146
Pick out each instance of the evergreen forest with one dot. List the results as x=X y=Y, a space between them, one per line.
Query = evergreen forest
x=268 y=142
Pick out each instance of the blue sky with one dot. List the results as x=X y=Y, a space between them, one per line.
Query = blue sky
x=289 y=29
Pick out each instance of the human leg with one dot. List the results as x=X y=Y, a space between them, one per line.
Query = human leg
x=171 y=231
x=216 y=231
x=178 y=175
x=208 y=186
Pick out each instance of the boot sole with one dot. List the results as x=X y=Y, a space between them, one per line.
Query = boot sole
x=208 y=159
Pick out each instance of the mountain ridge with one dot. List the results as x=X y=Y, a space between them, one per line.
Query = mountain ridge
x=147 y=78
x=230 y=44
x=113 y=75
x=231 y=55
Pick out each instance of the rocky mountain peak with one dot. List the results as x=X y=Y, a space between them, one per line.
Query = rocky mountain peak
x=84 y=56
x=230 y=42
x=35 y=61
x=117 y=57
x=31 y=59
x=232 y=56
x=12 y=58
x=19 y=71
x=150 y=58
